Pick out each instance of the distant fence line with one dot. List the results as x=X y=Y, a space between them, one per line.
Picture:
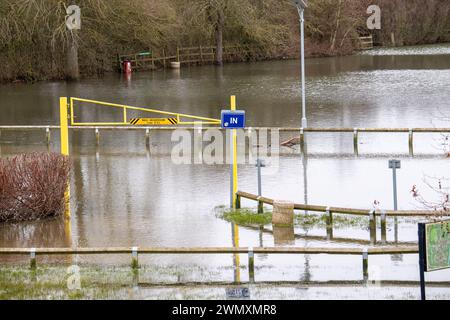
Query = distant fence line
x=300 y=131
x=185 y=55
x=250 y=251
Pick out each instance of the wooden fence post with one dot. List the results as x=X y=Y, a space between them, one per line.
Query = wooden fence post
x=373 y=227
x=201 y=54
x=329 y=217
x=383 y=226
x=411 y=142
x=164 y=58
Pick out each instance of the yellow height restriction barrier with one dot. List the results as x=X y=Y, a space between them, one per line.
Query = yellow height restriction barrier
x=67 y=111
x=173 y=118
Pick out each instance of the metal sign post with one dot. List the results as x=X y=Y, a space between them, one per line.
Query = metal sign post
x=394 y=165
x=233 y=119
x=259 y=164
x=422 y=260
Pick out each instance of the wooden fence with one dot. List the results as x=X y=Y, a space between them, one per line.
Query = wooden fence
x=185 y=55
x=300 y=131
x=328 y=210
x=366 y=43
x=250 y=251
x=349 y=211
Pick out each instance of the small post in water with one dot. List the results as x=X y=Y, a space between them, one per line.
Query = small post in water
x=134 y=258
x=302 y=140
x=47 y=135
x=97 y=137
x=147 y=138
x=355 y=141
x=33 y=258
x=251 y=265
x=365 y=263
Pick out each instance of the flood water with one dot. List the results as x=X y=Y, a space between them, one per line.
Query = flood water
x=123 y=195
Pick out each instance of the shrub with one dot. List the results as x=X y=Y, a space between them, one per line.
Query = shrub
x=32 y=186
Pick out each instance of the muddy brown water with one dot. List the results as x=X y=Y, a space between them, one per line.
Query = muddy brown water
x=123 y=195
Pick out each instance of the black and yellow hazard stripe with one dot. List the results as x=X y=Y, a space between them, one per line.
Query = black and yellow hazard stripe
x=153 y=121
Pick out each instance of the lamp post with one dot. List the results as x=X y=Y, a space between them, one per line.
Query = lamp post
x=301 y=5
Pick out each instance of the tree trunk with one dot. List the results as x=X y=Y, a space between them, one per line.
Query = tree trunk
x=73 y=71
x=219 y=38
x=338 y=20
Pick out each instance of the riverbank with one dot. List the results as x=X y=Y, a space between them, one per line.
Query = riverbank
x=36 y=45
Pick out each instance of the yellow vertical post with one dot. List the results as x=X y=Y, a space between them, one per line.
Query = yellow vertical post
x=64 y=143
x=234 y=163
x=234 y=182
x=64 y=126
x=237 y=262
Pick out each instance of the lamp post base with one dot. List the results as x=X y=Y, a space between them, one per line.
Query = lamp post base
x=304 y=123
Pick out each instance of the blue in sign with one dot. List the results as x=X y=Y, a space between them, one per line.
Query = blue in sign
x=233 y=119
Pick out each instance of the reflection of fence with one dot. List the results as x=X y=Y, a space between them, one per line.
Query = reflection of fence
x=187 y=55
x=331 y=237
x=134 y=251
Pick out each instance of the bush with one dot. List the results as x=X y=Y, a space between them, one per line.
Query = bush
x=32 y=186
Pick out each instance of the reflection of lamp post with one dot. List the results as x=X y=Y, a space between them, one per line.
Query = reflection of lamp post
x=301 y=5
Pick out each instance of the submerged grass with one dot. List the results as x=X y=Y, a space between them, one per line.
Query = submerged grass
x=248 y=216
x=96 y=282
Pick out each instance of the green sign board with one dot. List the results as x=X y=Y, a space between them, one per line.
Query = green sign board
x=437 y=245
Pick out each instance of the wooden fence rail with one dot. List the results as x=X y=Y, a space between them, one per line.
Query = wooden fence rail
x=350 y=211
x=135 y=251
x=184 y=55
x=301 y=131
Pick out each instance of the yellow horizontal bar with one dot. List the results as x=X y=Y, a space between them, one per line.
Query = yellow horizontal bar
x=107 y=104
x=99 y=123
x=199 y=122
